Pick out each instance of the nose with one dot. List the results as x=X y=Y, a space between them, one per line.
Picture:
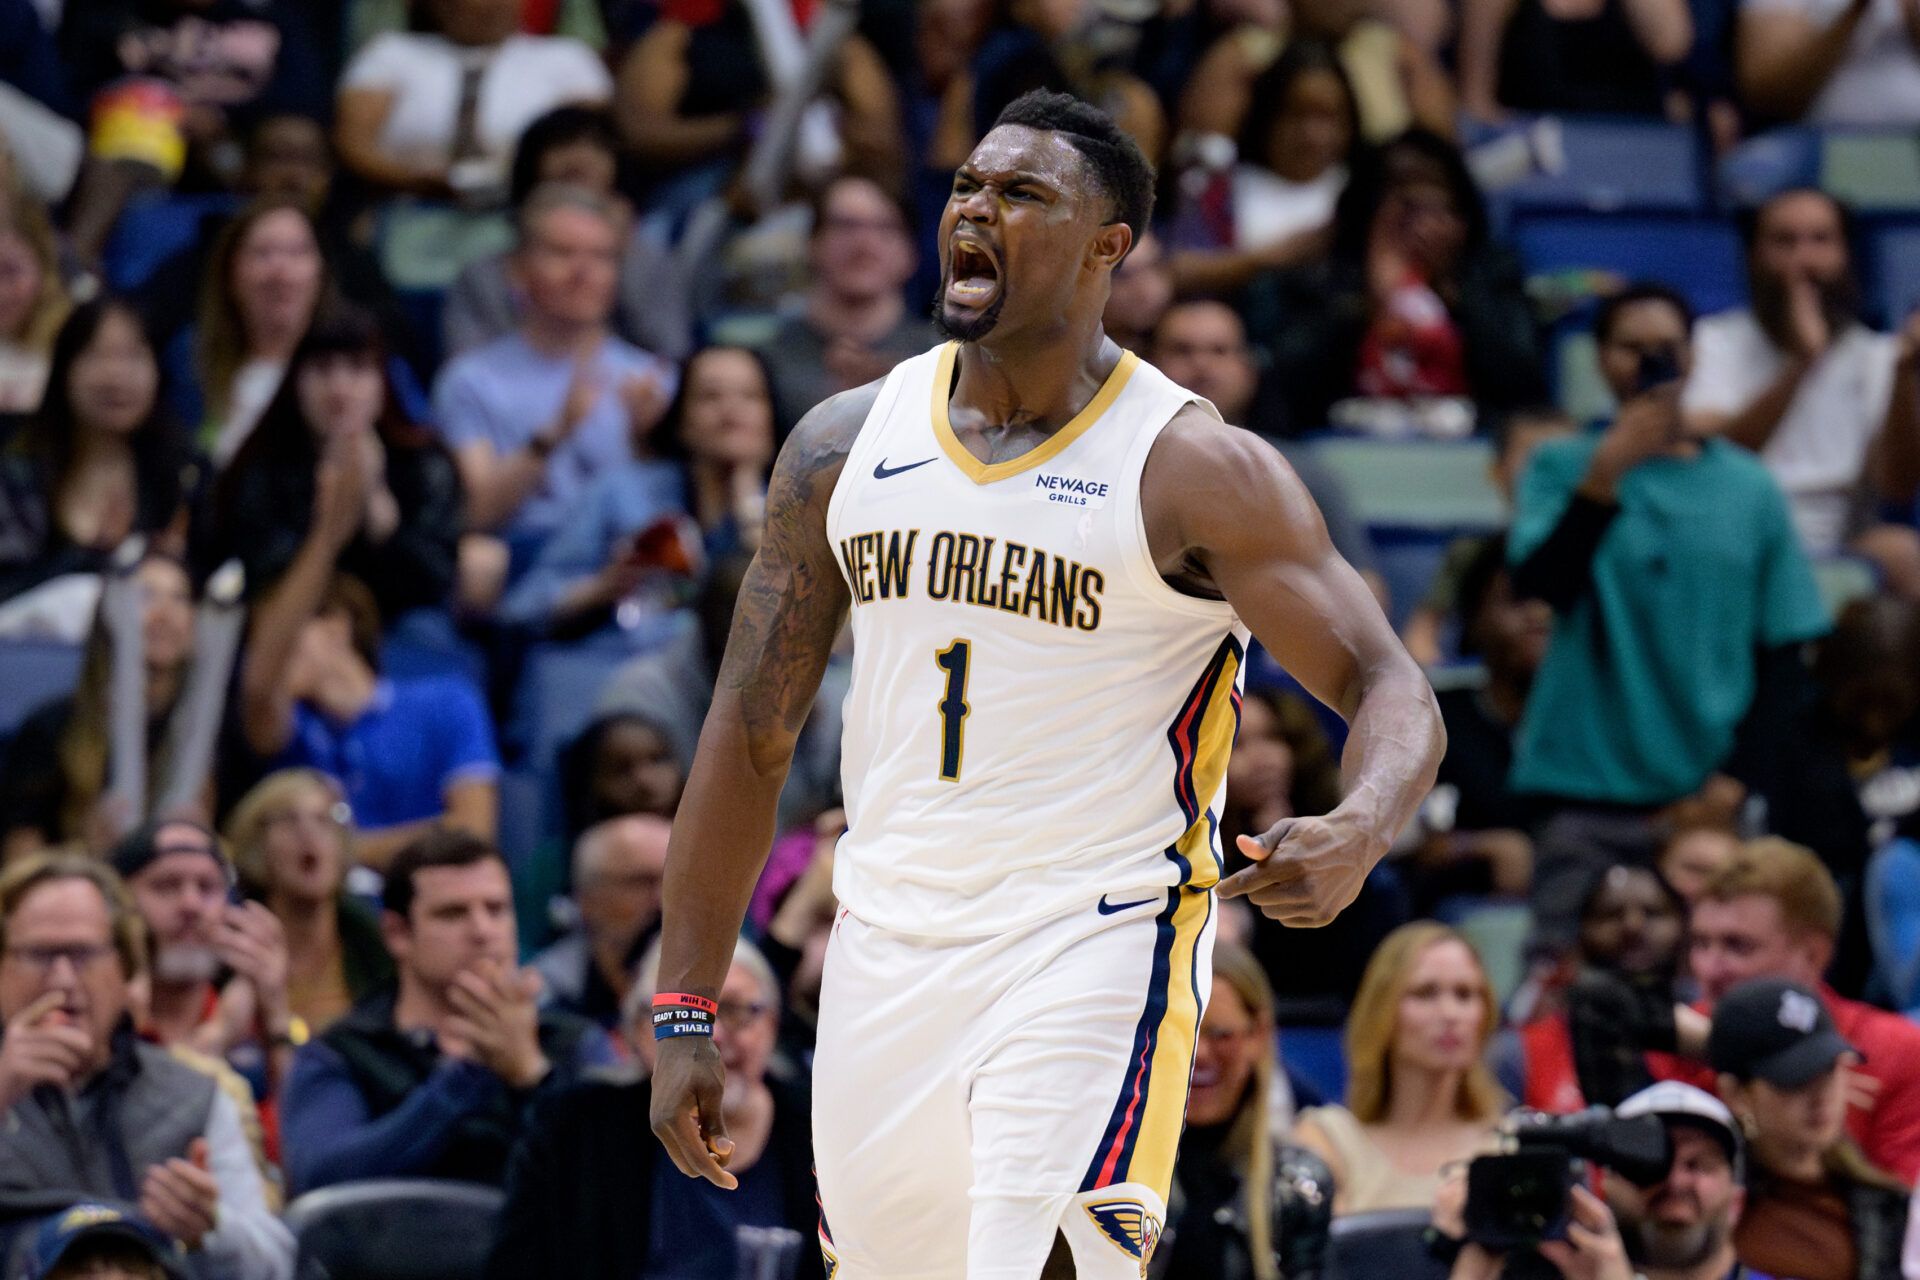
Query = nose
x=977 y=206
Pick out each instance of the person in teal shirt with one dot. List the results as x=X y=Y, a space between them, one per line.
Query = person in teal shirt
x=1681 y=597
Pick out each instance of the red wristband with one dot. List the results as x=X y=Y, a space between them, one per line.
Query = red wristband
x=682 y=1000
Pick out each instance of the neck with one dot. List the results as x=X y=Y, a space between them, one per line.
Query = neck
x=174 y=1008
x=342 y=693
x=274 y=342
x=610 y=958
x=163 y=688
x=857 y=317
x=416 y=1006
x=1036 y=385
x=1714 y=1267
x=551 y=336
x=96 y=448
x=749 y=1124
x=1800 y=1163
x=717 y=490
x=310 y=924
x=1422 y=1098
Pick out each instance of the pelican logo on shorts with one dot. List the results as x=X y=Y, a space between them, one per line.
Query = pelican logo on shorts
x=1132 y=1229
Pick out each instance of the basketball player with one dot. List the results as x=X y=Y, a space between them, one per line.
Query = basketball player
x=1052 y=556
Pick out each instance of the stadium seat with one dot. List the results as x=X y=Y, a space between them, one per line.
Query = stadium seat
x=1892 y=275
x=1874 y=172
x=394 y=1229
x=1701 y=257
x=1316 y=1055
x=1387 y=1243
x=1438 y=486
x=37 y=672
x=1893 y=920
x=150 y=231
x=1615 y=166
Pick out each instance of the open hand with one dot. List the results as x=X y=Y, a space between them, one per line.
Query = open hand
x=250 y=941
x=496 y=1018
x=1306 y=870
x=181 y=1198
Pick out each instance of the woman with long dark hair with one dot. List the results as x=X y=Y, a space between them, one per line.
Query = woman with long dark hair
x=98 y=463
x=337 y=400
x=1416 y=299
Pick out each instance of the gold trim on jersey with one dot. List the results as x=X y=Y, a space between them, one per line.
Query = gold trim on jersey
x=988 y=472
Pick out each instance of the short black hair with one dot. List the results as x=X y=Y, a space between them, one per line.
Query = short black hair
x=440 y=847
x=560 y=127
x=1634 y=294
x=1750 y=217
x=1508 y=423
x=1116 y=160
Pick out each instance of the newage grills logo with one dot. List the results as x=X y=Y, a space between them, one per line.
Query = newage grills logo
x=1070 y=491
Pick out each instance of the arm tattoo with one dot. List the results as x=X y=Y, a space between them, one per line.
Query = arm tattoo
x=793 y=599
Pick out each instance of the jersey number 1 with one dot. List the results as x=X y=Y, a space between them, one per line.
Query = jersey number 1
x=953 y=706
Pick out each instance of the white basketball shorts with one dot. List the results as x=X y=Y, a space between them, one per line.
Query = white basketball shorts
x=974 y=1098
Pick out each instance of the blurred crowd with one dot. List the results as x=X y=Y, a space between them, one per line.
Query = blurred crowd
x=388 y=394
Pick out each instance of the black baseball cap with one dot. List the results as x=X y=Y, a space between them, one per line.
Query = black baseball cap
x=1777 y=1031
x=63 y=1233
x=144 y=845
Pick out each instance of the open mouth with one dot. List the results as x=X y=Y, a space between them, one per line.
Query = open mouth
x=973 y=277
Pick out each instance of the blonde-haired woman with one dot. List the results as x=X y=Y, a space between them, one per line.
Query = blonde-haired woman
x=1419 y=1095
x=1244 y=1206
x=292 y=838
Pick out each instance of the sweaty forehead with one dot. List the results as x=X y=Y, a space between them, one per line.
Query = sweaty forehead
x=1013 y=150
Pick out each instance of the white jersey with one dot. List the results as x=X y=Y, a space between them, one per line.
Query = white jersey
x=1036 y=718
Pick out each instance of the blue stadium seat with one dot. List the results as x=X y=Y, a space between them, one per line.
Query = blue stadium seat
x=150 y=231
x=1437 y=486
x=32 y=674
x=395 y=1229
x=1700 y=257
x=1387 y=1243
x=1317 y=1055
x=1892 y=275
x=1893 y=920
x=1616 y=166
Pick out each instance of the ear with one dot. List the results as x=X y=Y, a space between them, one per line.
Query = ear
x=1111 y=243
x=1819 y=953
x=396 y=934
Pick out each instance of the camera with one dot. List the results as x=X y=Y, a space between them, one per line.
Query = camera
x=1521 y=1196
x=1658 y=367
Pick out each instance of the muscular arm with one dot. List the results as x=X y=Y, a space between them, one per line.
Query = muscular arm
x=1227 y=516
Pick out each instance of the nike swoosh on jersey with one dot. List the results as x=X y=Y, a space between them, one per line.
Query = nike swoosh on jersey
x=881 y=471
x=1106 y=908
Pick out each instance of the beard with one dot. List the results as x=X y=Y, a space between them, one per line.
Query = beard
x=1773 y=308
x=185 y=963
x=1674 y=1248
x=965 y=330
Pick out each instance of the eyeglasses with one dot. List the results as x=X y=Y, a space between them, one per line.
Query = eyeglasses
x=82 y=956
x=337 y=814
x=738 y=1015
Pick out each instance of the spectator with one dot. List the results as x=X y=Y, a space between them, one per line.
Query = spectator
x=432 y=1077
x=436 y=111
x=799 y=925
x=58 y=765
x=33 y=300
x=1698 y=845
x=1827 y=63
x=1774 y=912
x=1675 y=643
x=621 y=764
x=1250 y=1207
x=1297 y=148
x=1515 y=436
x=1682 y=1227
x=533 y=417
x=262 y=286
x=856 y=325
x=98 y=1242
x=98 y=463
x=1415 y=301
x=645 y=1218
x=180 y=880
x=1632 y=924
x=1282 y=765
x=617 y=868
x=157 y=1134
x=1827 y=403
x=336 y=402
x=1398 y=82
x=1477 y=837
x=1202 y=345
x=621 y=557
x=1816 y=1207
x=579 y=147
x=1418 y=1095
x=1142 y=291
x=292 y=840
x=410 y=752
x=1615 y=57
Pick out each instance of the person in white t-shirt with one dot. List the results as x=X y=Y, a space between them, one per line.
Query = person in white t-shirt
x=1829 y=404
x=1830 y=62
x=437 y=112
